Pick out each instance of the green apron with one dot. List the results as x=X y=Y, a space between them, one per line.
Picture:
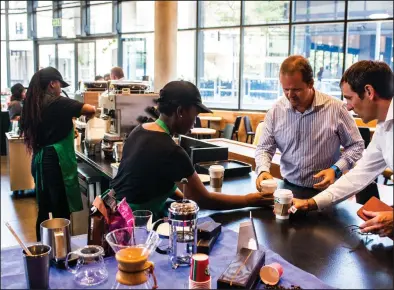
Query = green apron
x=68 y=164
x=157 y=204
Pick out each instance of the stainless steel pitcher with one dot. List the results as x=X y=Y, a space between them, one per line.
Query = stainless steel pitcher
x=56 y=234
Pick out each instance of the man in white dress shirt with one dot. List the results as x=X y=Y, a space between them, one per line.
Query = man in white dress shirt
x=368 y=89
x=308 y=127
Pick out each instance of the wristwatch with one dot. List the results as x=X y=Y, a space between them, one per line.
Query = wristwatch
x=338 y=172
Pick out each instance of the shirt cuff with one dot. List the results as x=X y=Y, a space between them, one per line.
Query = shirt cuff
x=341 y=164
x=261 y=169
x=323 y=199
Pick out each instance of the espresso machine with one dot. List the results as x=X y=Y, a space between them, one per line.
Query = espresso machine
x=123 y=105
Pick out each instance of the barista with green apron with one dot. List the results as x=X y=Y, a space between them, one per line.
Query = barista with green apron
x=51 y=139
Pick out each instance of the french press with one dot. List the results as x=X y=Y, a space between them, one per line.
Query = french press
x=182 y=218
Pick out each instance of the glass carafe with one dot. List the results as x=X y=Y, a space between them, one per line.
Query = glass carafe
x=133 y=247
x=182 y=217
x=90 y=269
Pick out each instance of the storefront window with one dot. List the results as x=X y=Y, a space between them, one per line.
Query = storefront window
x=138 y=16
x=4 y=80
x=218 y=68
x=220 y=13
x=17 y=26
x=46 y=54
x=370 y=9
x=318 y=10
x=71 y=22
x=186 y=56
x=260 y=12
x=44 y=24
x=100 y=18
x=86 y=61
x=21 y=62
x=187 y=14
x=106 y=55
x=66 y=66
x=265 y=48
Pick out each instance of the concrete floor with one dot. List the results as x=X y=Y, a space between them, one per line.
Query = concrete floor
x=20 y=213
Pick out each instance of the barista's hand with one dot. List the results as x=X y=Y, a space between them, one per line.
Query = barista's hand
x=328 y=178
x=380 y=223
x=76 y=134
x=259 y=199
x=304 y=204
x=263 y=176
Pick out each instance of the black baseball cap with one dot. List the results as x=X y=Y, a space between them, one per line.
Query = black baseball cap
x=51 y=74
x=182 y=93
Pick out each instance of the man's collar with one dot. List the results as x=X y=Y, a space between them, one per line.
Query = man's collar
x=389 y=115
x=318 y=100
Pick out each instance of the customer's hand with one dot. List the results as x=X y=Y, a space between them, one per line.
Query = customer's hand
x=328 y=178
x=263 y=176
x=304 y=204
x=381 y=223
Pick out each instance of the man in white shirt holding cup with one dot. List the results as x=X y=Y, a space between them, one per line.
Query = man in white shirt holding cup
x=368 y=89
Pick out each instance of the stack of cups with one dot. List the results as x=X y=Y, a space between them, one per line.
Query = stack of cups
x=216 y=174
x=199 y=272
x=283 y=200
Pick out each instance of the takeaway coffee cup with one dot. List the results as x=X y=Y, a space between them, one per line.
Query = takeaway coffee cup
x=216 y=174
x=283 y=199
x=268 y=186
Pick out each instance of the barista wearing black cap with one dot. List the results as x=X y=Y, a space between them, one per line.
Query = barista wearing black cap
x=47 y=128
x=152 y=162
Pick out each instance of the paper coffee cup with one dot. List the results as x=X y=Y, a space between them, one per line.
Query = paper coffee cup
x=268 y=186
x=216 y=174
x=283 y=199
x=270 y=274
x=199 y=268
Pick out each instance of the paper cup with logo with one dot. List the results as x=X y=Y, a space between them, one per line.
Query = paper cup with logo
x=283 y=199
x=216 y=174
x=268 y=186
x=199 y=268
x=270 y=274
x=199 y=285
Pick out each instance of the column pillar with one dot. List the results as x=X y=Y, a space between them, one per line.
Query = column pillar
x=166 y=28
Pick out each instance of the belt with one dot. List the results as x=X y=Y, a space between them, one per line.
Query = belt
x=299 y=186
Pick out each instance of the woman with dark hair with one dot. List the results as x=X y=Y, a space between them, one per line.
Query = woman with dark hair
x=152 y=162
x=47 y=128
x=18 y=92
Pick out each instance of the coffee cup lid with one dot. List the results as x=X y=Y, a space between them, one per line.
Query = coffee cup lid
x=269 y=275
x=269 y=183
x=286 y=193
x=216 y=168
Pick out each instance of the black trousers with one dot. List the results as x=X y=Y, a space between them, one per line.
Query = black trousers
x=53 y=196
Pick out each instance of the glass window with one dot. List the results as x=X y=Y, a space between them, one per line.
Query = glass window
x=4 y=81
x=138 y=16
x=21 y=62
x=323 y=46
x=99 y=2
x=318 y=10
x=265 y=48
x=44 y=24
x=17 y=6
x=218 y=67
x=44 y=4
x=187 y=13
x=257 y=12
x=3 y=32
x=106 y=55
x=86 y=57
x=220 y=13
x=70 y=3
x=66 y=66
x=71 y=22
x=138 y=56
x=100 y=18
x=2 y=6
x=370 y=9
x=186 y=56
x=46 y=56
x=362 y=44
x=17 y=25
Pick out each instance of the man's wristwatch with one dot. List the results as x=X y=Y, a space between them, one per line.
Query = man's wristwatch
x=338 y=172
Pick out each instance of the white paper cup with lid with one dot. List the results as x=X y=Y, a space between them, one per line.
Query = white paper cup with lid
x=268 y=186
x=216 y=174
x=283 y=199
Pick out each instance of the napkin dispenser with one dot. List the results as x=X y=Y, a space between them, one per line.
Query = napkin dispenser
x=243 y=271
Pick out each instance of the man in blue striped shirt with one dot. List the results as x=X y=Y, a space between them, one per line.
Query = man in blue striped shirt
x=308 y=127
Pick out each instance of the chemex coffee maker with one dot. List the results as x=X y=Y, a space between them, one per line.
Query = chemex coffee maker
x=122 y=104
x=133 y=247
